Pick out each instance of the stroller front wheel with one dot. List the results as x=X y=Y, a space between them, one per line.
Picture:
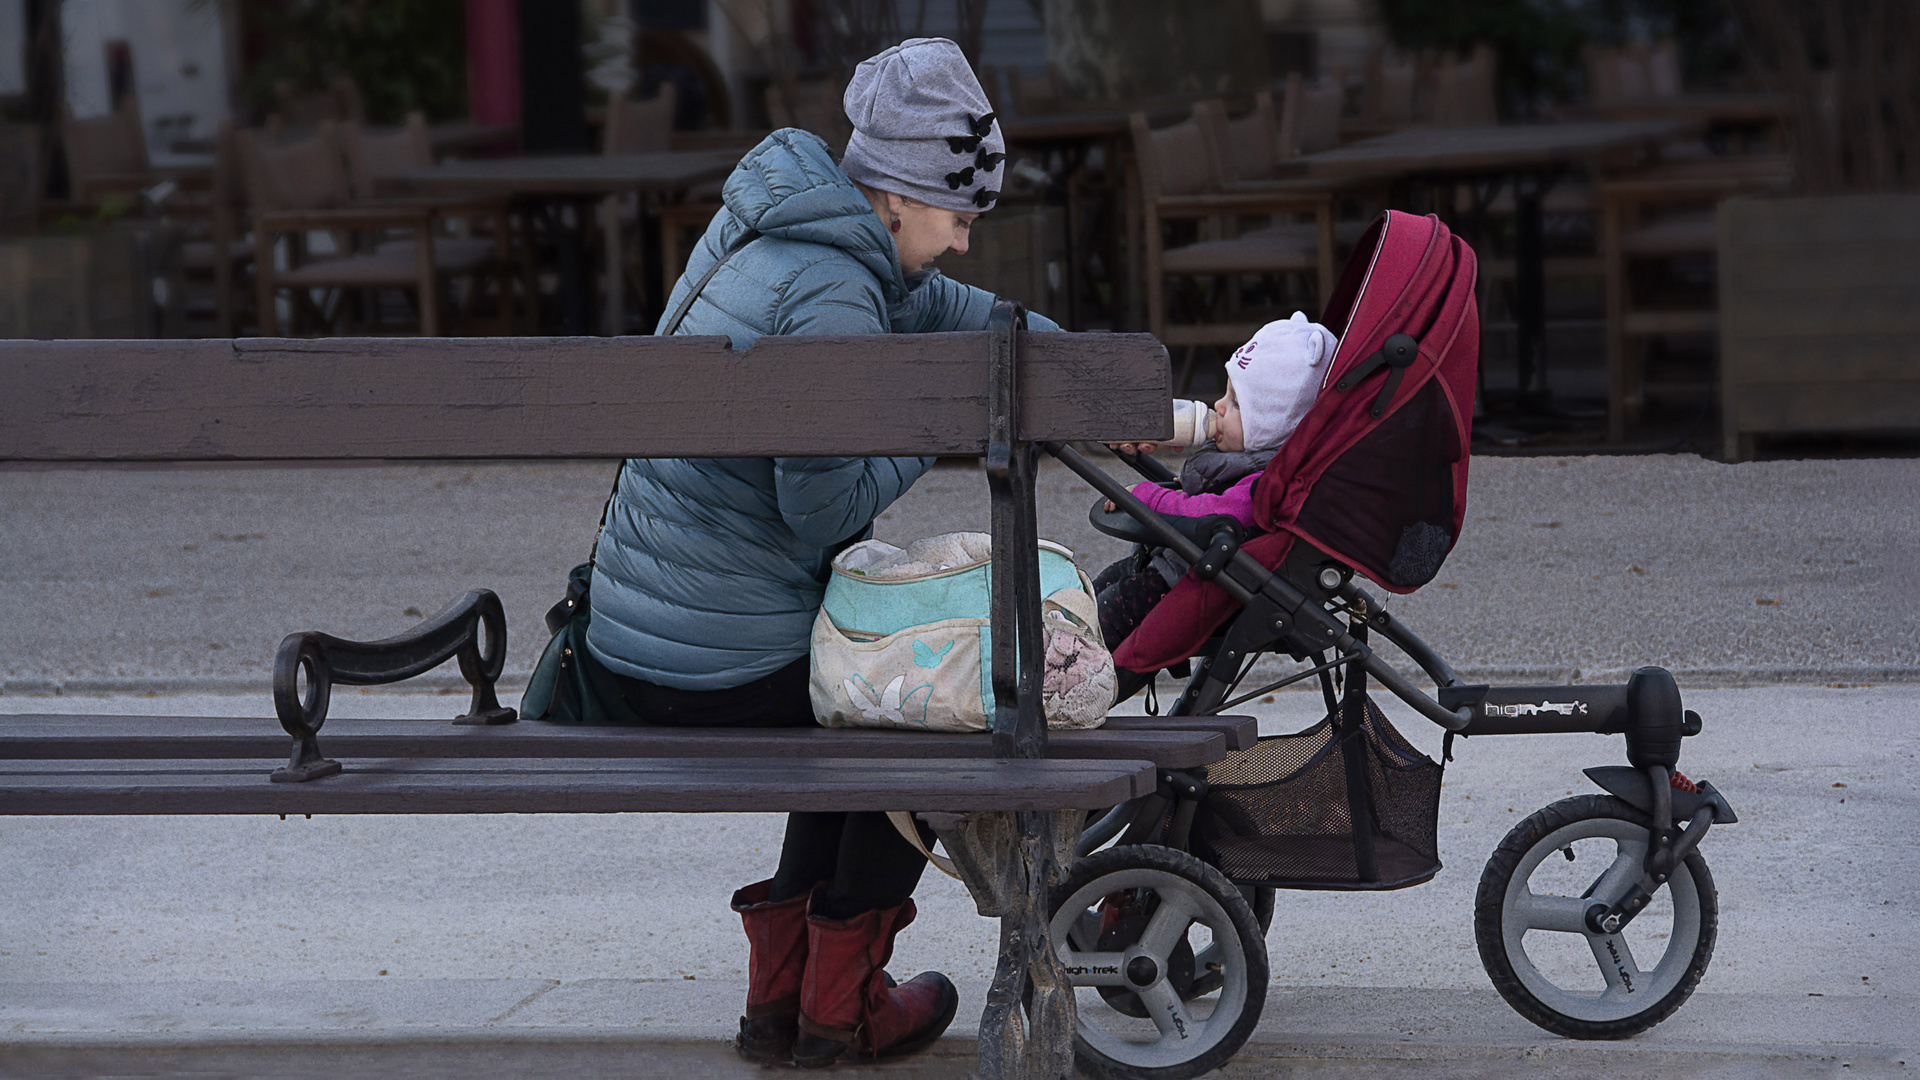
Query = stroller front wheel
x=1529 y=920
x=1172 y=957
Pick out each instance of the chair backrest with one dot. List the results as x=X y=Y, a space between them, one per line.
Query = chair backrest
x=1638 y=70
x=110 y=145
x=1033 y=95
x=347 y=99
x=340 y=102
x=990 y=81
x=306 y=174
x=1464 y=92
x=640 y=127
x=1245 y=147
x=375 y=156
x=1175 y=160
x=229 y=177
x=1389 y=94
x=22 y=180
x=812 y=106
x=1310 y=116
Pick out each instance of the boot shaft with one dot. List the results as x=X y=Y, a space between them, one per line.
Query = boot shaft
x=777 y=947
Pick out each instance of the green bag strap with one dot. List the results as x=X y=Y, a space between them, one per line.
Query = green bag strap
x=667 y=329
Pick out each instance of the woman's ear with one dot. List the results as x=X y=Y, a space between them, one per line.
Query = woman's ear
x=896 y=205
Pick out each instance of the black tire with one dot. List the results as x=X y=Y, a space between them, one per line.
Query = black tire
x=1506 y=909
x=1261 y=900
x=1147 y=876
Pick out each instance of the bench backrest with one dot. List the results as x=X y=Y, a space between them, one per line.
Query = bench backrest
x=266 y=399
x=998 y=393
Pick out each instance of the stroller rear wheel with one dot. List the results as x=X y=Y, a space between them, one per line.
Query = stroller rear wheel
x=1530 y=921
x=1172 y=957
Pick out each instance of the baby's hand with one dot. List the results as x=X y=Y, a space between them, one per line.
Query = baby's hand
x=1134 y=447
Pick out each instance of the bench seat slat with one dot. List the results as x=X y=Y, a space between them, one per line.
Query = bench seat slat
x=569 y=785
x=361 y=398
x=48 y=736
x=1241 y=732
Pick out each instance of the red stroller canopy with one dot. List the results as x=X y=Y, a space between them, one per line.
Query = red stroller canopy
x=1376 y=473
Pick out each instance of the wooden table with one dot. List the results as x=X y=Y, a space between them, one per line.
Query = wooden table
x=547 y=184
x=1530 y=157
x=466 y=136
x=1744 y=111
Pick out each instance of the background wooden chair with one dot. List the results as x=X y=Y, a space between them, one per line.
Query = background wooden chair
x=633 y=127
x=106 y=155
x=1639 y=70
x=1310 y=116
x=811 y=106
x=304 y=188
x=216 y=248
x=1658 y=242
x=1464 y=91
x=373 y=158
x=1387 y=96
x=339 y=103
x=1249 y=149
x=1193 y=233
x=640 y=127
x=23 y=177
x=1035 y=95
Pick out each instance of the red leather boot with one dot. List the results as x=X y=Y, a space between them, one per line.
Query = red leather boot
x=776 y=964
x=850 y=1007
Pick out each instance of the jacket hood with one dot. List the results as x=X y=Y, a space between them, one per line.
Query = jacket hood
x=789 y=187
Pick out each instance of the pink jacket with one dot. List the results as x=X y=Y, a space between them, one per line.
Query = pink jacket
x=1236 y=501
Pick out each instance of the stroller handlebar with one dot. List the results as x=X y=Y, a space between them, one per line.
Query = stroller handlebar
x=1386 y=675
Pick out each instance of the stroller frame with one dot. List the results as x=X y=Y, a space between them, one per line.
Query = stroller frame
x=1312 y=607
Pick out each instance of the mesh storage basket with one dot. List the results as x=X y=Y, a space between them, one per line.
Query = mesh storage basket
x=1282 y=812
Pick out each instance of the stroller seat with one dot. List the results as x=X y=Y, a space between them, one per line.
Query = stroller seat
x=1375 y=475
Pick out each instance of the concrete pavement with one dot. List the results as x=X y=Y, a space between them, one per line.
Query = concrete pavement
x=211 y=936
x=130 y=580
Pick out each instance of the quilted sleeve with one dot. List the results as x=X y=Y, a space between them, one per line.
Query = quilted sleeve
x=936 y=303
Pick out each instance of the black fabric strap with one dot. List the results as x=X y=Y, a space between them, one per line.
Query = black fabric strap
x=666 y=330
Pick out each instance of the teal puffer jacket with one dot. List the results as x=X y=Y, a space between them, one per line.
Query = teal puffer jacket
x=710 y=570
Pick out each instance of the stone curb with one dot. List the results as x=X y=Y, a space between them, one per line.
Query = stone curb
x=488 y=1053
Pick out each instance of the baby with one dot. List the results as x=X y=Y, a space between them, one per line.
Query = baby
x=1272 y=381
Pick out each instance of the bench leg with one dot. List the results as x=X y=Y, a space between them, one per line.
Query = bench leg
x=1010 y=862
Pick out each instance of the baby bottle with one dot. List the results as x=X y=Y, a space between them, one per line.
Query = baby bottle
x=1194 y=422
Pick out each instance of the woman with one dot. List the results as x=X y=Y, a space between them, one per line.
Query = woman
x=710 y=571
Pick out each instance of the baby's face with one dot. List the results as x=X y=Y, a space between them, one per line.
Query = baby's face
x=1232 y=437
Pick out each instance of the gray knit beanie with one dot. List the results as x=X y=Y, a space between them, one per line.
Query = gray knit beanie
x=923 y=128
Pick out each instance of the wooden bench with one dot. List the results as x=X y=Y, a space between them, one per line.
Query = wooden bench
x=1008 y=807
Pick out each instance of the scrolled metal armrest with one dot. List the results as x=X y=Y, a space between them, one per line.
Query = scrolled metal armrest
x=458 y=632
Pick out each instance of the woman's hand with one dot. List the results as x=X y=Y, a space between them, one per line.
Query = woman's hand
x=1134 y=447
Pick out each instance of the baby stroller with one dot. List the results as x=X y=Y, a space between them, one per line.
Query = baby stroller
x=1167 y=925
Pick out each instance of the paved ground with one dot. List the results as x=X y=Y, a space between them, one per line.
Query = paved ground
x=601 y=945
x=607 y=936
x=129 y=579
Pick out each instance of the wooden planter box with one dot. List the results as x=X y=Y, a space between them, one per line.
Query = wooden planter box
x=95 y=285
x=1819 y=316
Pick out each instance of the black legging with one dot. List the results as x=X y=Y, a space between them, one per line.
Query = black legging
x=864 y=860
